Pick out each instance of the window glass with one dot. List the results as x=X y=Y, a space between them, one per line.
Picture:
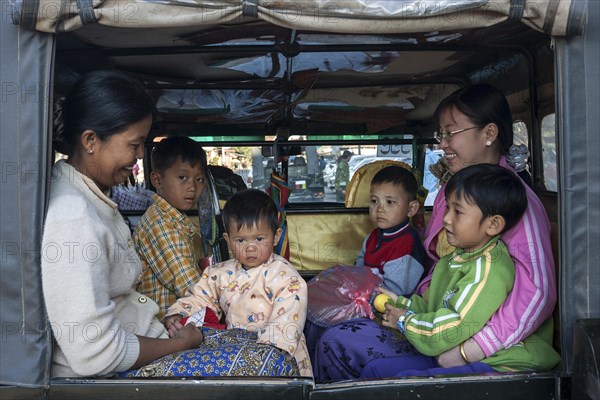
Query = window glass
x=549 y=151
x=430 y=181
x=311 y=173
x=311 y=170
x=520 y=154
x=520 y=133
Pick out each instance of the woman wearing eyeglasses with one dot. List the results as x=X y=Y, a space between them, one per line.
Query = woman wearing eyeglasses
x=475 y=126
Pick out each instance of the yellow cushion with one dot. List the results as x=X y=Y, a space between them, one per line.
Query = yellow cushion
x=319 y=241
x=358 y=193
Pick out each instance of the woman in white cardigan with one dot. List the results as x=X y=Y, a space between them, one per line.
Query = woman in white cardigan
x=89 y=265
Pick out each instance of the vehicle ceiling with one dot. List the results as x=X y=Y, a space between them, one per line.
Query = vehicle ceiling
x=259 y=79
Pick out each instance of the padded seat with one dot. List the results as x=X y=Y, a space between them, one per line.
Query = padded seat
x=358 y=192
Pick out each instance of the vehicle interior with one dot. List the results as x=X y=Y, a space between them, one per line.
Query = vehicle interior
x=266 y=97
x=257 y=88
x=247 y=89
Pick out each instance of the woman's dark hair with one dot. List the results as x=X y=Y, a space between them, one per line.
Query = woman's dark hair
x=492 y=188
x=170 y=149
x=482 y=104
x=105 y=102
x=398 y=176
x=248 y=207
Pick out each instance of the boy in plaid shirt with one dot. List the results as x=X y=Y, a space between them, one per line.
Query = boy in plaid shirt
x=164 y=237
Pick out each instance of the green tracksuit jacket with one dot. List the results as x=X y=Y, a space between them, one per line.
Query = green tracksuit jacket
x=465 y=291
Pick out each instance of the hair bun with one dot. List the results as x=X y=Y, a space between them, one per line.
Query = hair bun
x=58 y=127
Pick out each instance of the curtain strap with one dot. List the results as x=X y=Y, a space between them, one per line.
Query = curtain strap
x=86 y=12
x=550 y=16
x=250 y=8
x=516 y=11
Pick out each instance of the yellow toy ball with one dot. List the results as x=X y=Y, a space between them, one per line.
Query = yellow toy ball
x=380 y=301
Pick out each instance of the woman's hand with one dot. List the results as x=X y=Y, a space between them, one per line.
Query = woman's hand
x=190 y=336
x=391 y=315
x=173 y=324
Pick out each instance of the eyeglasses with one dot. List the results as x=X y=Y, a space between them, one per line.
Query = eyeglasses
x=439 y=136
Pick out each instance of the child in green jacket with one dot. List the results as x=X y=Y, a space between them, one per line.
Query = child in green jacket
x=468 y=285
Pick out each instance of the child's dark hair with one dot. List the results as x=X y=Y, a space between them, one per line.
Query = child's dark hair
x=105 y=102
x=398 y=175
x=248 y=207
x=173 y=148
x=492 y=188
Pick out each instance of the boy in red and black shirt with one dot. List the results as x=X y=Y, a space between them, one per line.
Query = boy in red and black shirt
x=394 y=250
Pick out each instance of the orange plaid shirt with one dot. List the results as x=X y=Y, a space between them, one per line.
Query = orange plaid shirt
x=164 y=242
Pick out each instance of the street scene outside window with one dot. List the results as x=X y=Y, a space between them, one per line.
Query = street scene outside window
x=311 y=174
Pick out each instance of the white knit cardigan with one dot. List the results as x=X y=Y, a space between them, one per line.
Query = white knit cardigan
x=89 y=268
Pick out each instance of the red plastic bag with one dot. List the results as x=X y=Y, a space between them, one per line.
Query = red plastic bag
x=341 y=293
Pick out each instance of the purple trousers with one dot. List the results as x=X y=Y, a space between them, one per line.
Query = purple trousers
x=362 y=348
x=342 y=351
x=417 y=365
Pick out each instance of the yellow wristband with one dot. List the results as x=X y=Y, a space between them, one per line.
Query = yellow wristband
x=461 y=348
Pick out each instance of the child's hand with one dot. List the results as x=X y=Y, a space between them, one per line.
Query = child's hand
x=173 y=324
x=383 y=290
x=392 y=315
x=189 y=336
